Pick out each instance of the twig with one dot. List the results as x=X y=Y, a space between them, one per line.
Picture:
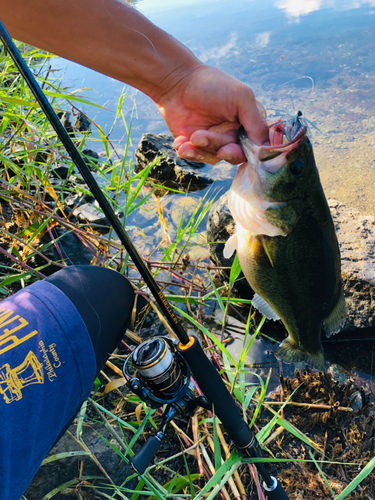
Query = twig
x=223 y=490
x=162 y=319
x=231 y=482
x=182 y=434
x=114 y=368
x=236 y=475
x=309 y=405
x=254 y=473
x=14 y=259
x=194 y=426
x=92 y=456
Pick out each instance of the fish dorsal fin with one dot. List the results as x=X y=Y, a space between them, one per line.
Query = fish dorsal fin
x=265 y=248
x=264 y=308
x=230 y=246
x=336 y=320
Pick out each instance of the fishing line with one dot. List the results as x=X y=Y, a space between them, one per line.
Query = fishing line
x=189 y=348
x=295 y=79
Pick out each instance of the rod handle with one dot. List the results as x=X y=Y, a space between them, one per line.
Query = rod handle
x=141 y=460
x=212 y=386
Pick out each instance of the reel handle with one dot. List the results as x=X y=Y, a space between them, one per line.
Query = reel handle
x=141 y=460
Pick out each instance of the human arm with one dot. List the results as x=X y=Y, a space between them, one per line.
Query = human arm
x=111 y=37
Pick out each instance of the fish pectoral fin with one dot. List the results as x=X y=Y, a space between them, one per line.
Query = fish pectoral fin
x=266 y=249
x=230 y=246
x=264 y=308
x=336 y=320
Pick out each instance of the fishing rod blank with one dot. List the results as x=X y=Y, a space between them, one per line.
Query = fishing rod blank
x=205 y=374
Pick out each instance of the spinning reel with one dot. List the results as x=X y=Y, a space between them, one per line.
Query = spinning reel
x=158 y=374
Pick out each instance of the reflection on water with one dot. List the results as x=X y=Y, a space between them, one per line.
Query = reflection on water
x=295 y=9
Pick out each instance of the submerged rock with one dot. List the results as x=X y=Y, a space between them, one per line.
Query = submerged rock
x=90 y=214
x=356 y=235
x=171 y=170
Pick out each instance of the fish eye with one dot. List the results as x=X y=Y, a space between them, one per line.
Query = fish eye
x=296 y=167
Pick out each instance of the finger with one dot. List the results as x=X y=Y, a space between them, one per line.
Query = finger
x=188 y=152
x=252 y=116
x=212 y=141
x=179 y=140
x=232 y=153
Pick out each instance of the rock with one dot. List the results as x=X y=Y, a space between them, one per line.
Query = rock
x=60 y=172
x=90 y=157
x=356 y=235
x=82 y=123
x=170 y=171
x=65 y=120
x=56 y=473
x=78 y=198
x=90 y=214
x=72 y=249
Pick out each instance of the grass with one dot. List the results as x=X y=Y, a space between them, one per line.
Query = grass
x=33 y=205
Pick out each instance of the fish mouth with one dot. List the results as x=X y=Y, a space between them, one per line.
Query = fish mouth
x=285 y=133
x=284 y=136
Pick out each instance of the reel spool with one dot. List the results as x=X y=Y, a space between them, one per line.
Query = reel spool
x=157 y=373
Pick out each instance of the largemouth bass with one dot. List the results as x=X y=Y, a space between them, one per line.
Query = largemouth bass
x=286 y=240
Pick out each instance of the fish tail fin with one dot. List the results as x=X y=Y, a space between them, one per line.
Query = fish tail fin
x=291 y=354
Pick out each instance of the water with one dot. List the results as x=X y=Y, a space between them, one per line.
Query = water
x=267 y=44
x=271 y=46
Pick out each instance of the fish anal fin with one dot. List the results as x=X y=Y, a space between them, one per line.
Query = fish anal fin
x=230 y=246
x=336 y=320
x=264 y=308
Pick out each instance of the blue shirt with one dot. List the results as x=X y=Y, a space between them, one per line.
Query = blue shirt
x=47 y=368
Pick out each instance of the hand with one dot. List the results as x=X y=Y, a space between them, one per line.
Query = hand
x=204 y=111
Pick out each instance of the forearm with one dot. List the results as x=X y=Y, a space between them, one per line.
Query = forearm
x=108 y=36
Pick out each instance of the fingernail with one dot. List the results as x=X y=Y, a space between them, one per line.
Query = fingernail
x=188 y=154
x=202 y=142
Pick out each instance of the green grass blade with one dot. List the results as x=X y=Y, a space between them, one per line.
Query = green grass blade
x=322 y=474
x=66 y=454
x=209 y=334
x=219 y=299
x=357 y=480
x=234 y=459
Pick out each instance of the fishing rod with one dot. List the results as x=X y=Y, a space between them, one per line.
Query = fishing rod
x=153 y=357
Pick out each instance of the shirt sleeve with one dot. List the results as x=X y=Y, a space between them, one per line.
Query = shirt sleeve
x=47 y=368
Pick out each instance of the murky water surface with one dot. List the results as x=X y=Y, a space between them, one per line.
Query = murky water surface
x=317 y=56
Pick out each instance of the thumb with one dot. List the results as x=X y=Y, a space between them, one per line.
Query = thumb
x=254 y=120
